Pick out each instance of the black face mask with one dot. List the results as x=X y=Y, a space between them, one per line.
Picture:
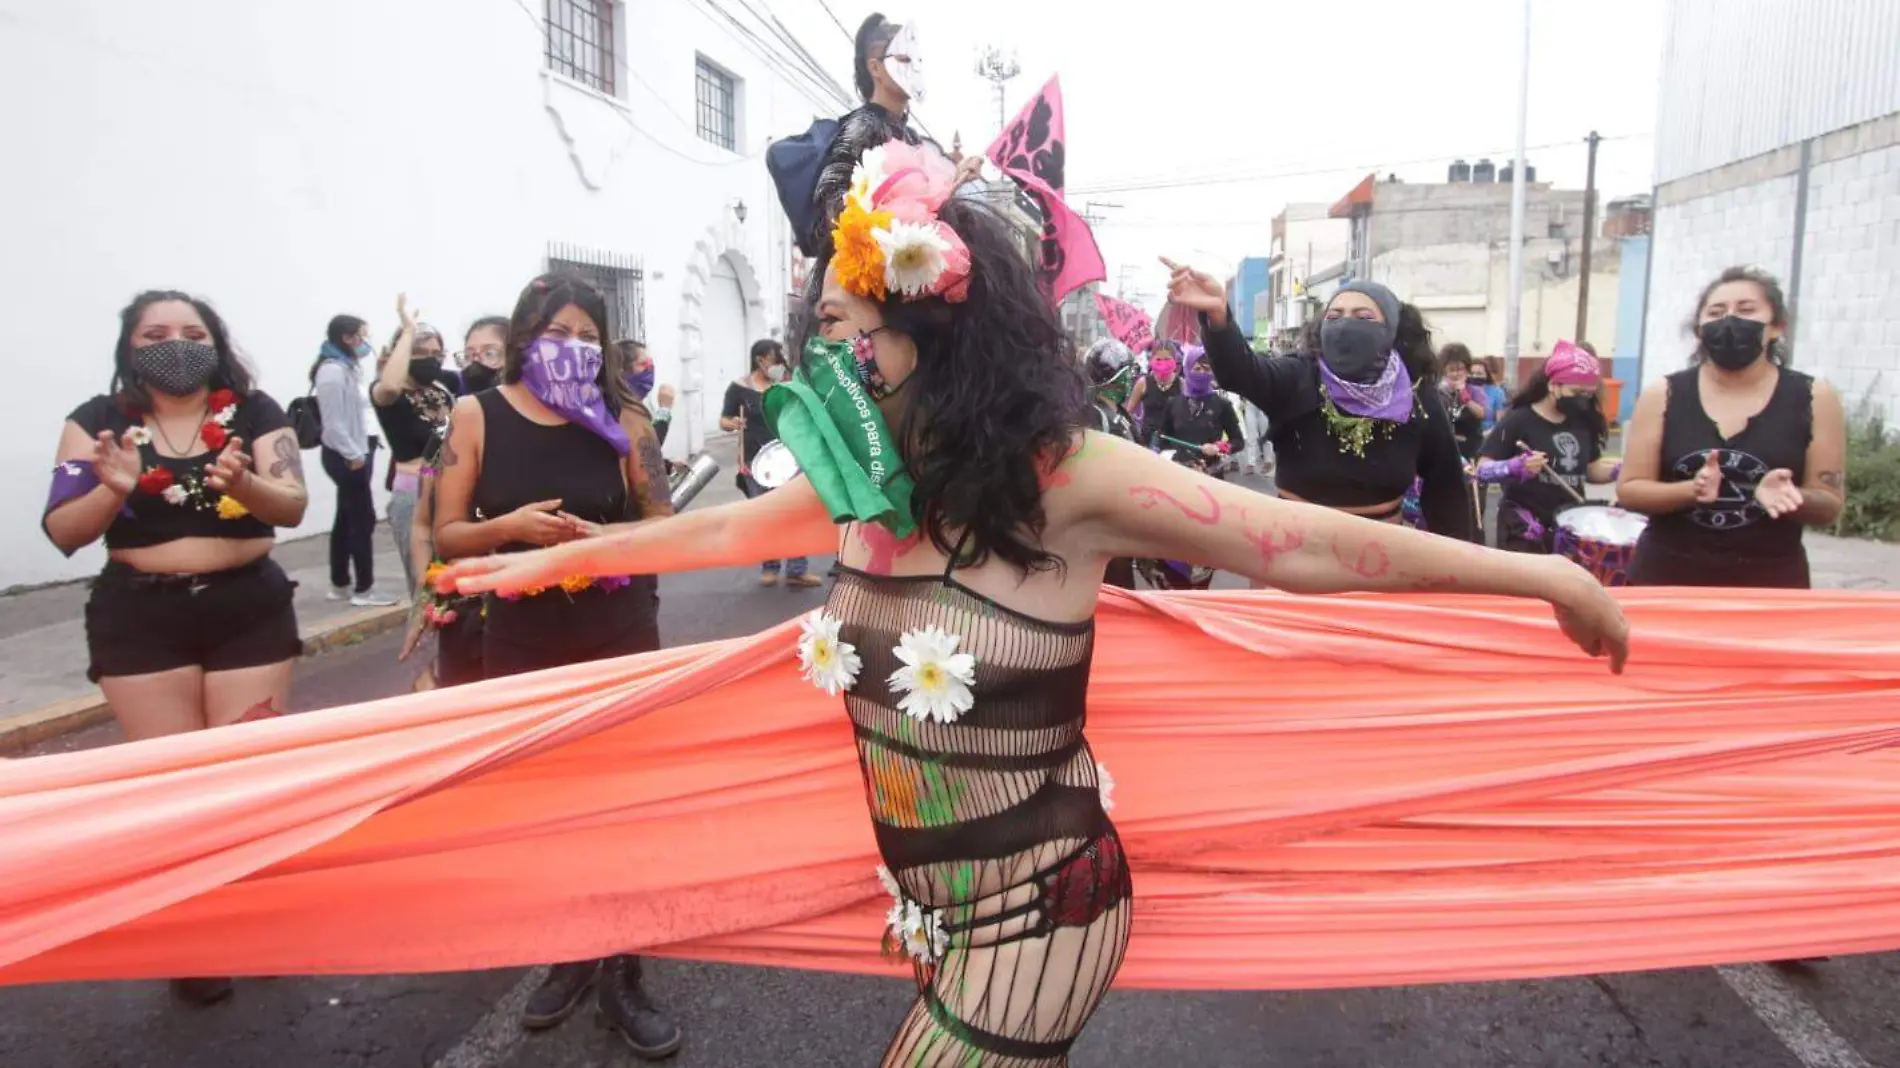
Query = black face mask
x=1732 y=342
x=1580 y=409
x=425 y=368
x=176 y=367
x=1356 y=349
x=477 y=377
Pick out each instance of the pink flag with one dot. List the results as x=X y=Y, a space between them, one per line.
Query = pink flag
x=1032 y=150
x=1129 y=324
x=1179 y=323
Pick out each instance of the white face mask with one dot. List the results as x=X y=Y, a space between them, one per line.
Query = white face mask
x=776 y=372
x=904 y=61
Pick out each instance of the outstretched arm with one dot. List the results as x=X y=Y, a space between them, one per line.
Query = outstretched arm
x=789 y=521
x=1131 y=503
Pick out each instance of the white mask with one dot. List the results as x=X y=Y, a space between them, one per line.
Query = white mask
x=908 y=74
x=776 y=372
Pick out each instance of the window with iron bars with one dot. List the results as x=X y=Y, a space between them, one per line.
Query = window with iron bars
x=580 y=41
x=621 y=280
x=716 y=91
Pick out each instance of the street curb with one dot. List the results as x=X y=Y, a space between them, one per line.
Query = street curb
x=23 y=730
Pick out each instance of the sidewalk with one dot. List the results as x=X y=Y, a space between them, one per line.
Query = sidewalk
x=43 y=639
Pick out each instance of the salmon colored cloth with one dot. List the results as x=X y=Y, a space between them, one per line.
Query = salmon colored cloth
x=1313 y=792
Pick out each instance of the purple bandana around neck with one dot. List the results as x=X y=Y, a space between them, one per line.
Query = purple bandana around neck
x=562 y=373
x=1390 y=398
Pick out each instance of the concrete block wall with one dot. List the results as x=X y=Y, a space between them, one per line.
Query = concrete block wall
x=1848 y=326
x=1694 y=240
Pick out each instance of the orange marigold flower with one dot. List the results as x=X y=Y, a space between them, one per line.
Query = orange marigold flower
x=576 y=583
x=858 y=258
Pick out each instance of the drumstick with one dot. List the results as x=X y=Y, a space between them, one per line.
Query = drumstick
x=1546 y=475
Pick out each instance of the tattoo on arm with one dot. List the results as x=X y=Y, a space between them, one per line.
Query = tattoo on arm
x=289 y=459
x=658 y=500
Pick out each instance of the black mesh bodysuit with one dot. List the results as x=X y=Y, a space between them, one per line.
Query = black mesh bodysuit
x=992 y=824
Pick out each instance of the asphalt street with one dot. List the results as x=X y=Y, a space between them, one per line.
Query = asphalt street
x=1834 y=1014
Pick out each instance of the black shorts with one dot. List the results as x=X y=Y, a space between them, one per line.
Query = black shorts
x=139 y=624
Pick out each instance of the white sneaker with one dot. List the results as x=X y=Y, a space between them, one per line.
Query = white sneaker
x=338 y=593
x=372 y=599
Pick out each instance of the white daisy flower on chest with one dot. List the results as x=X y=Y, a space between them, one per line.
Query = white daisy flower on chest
x=829 y=663
x=919 y=930
x=935 y=679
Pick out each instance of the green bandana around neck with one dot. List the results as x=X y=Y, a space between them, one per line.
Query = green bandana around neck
x=826 y=417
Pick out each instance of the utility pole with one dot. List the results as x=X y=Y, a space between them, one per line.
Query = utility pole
x=1589 y=234
x=1514 y=312
x=997 y=67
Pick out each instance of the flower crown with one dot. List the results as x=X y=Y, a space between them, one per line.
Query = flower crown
x=888 y=239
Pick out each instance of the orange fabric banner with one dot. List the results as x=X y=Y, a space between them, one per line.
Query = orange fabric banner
x=1313 y=792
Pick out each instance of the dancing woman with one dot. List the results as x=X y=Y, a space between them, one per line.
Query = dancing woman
x=1734 y=456
x=959 y=629
x=1547 y=446
x=1358 y=416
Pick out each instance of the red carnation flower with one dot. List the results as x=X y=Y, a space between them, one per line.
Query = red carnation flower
x=214 y=435
x=156 y=480
x=222 y=399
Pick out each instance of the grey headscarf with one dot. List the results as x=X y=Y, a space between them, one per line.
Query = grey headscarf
x=1387 y=301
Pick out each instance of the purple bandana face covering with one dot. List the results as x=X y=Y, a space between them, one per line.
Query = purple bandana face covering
x=562 y=373
x=1198 y=380
x=1389 y=398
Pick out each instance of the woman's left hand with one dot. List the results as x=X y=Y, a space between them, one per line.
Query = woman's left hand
x=1590 y=617
x=970 y=169
x=229 y=472
x=1778 y=494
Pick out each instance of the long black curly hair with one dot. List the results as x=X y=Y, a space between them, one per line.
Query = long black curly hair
x=995 y=398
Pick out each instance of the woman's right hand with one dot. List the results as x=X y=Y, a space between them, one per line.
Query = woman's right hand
x=403 y=314
x=1197 y=290
x=537 y=524
x=1708 y=481
x=504 y=573
x=1589 y=616
x=1535 y=462
x=116 y=462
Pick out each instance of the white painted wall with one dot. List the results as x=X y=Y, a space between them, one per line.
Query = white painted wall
x=1693 y=242
x=290 y=161
x=1847 y=330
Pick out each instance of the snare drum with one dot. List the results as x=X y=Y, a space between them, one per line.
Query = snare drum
x=1601 y=539
x=774 y=465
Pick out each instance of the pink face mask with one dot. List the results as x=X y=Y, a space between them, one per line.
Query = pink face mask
x=1164 y=367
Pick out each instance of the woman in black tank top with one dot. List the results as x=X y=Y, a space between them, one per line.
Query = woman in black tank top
x=560 y=452
x=959 y=634
x=1732 y=457
x=1155 y=389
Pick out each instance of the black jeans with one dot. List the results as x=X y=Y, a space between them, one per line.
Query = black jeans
x=352 y=536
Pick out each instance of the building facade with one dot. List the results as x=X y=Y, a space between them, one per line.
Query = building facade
x=1308 y=243
x=1789 y=161
x=290 y=162
x=1445 y=247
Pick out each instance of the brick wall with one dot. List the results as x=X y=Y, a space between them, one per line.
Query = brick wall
x=1848 y=324
x=1693 y=241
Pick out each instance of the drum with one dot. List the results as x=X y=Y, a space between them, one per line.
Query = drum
x=775 y=465
x=1601 y=539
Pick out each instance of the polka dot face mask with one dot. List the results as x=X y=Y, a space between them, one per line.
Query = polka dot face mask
x=176 y=367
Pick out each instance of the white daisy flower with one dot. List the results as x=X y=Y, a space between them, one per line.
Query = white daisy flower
x=918 y=930
x=828 y=663
x=935 y=679
x=224 y=415
x=1105 y=783
x=913 y=257
x=867 y=176
x=175 y=494
x=890 y=882
x=138 y=435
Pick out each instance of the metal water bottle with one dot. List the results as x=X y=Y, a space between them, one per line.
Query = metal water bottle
x=692 y=478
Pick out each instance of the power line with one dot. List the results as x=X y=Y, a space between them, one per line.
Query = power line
x=798 y=51
x=1140 y=185
x=840 y=25
x=768 y=55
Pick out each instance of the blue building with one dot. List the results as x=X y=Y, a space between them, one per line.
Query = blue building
x=1626 y=362
x=1249 y=281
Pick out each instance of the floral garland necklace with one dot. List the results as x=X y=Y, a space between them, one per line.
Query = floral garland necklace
x=190 y=490
x=1354 y=432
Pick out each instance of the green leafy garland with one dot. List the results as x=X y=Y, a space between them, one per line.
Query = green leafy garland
x=1354 y=432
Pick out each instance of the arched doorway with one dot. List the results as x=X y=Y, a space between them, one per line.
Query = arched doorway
x=723 y=337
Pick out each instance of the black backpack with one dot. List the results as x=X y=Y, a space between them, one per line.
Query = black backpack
x=794 y=164
x=306 y=419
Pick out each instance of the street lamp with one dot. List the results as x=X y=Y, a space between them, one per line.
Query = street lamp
x=996 y=66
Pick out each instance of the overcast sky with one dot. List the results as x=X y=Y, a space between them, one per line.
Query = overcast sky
x=1298 y=97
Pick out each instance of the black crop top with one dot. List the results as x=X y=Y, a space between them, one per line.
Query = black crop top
x=524 y=462
x=1315 y=466
x=416 y=417
x=155 y=520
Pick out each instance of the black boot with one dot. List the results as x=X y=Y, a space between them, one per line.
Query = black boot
x=201 y=991
x=625 y=1007
x=559 y=994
